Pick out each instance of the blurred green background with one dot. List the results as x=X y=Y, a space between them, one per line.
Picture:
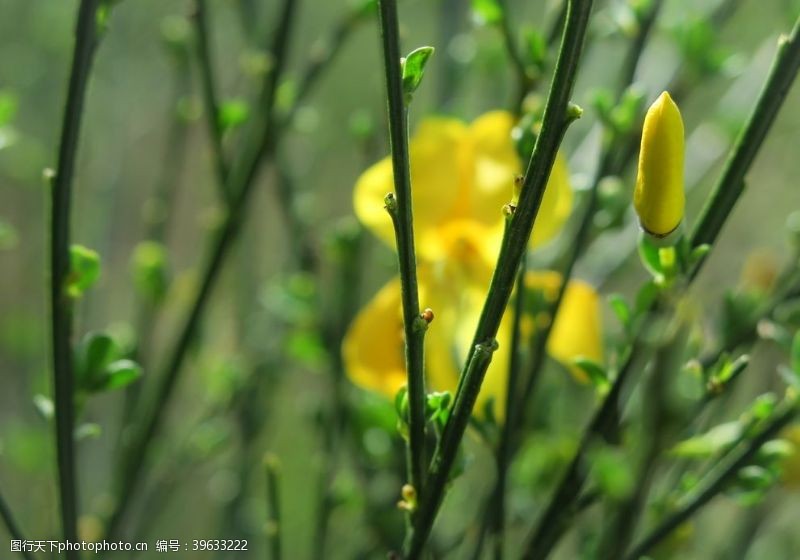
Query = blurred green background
x=261 y=311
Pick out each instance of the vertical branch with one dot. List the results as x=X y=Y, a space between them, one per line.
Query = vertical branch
x=61 y=304
x=242 y=178
x=557 y=117
x=399 y=206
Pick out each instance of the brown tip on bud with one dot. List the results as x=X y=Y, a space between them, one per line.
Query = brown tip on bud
x=518 y=180
x=427 y=315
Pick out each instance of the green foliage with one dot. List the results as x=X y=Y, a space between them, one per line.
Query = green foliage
x=487 y=12
x=8 y=235
x=233 y=113
x=84 y=270
x=149 y=268
x=713 y=442
x=596 y=373
x=99 y=365
x=612 y=472
x=414 y=69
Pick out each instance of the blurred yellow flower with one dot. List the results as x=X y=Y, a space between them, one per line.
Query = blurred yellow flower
x=659 y=198
x=462 y=175
x=791 y=465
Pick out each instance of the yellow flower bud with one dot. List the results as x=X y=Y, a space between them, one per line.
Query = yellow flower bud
x=659 y=198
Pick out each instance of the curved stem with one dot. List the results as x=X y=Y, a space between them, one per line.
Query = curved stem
x=555 y=122
x=403 y=220
x=60 y=301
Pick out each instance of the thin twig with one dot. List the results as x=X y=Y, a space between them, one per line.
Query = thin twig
x=210 y=100
x=241 y=182
x=60 y=301
x=554 y=124
x=400 y=208
x=13 y=528
x=731 y=183
x=714 y=482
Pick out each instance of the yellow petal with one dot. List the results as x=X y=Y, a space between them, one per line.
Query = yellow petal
x=448 y=341
x=494 y=164
x=556 y=204
x=659 y=197
x=372 y=349
x=577 y=331
x=436 y=177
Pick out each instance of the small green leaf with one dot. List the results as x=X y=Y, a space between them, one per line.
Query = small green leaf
x=487 y=12
x=612 y=472
x=100 y=351
x=233 y=113
x=710 y=443
x=621 y=309
x=88 y=430
x=84 y=270
x=763 y=406
x=149 y=271
x=537 y=47
x=8 y=107
x=414 y=69
x=649 y=255
x=594 y=371
x=44 y=405
x=120 y=374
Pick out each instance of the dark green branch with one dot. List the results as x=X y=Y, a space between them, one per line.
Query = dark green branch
x=732 y=181
x=60 y=301
x=400 y=209
x=241 y=181
x=715 y=482
x=210 y=100
x=13 y=528
x=555 y=122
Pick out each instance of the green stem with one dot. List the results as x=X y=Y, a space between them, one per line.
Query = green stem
x=554 y=124
x=60 y=301
x=563 y=504
x=496 y=511
x=714 y=483
x=401 y=212
x=624 y=516
x=639 y=41
x=241 y=181
x=274 y=528
x=210 y=100
x=161 y=205
x=13 y=527
x=731 y=183
x=524 y=80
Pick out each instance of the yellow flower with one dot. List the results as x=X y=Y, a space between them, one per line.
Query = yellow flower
x=462 y=175
x=659 y=198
